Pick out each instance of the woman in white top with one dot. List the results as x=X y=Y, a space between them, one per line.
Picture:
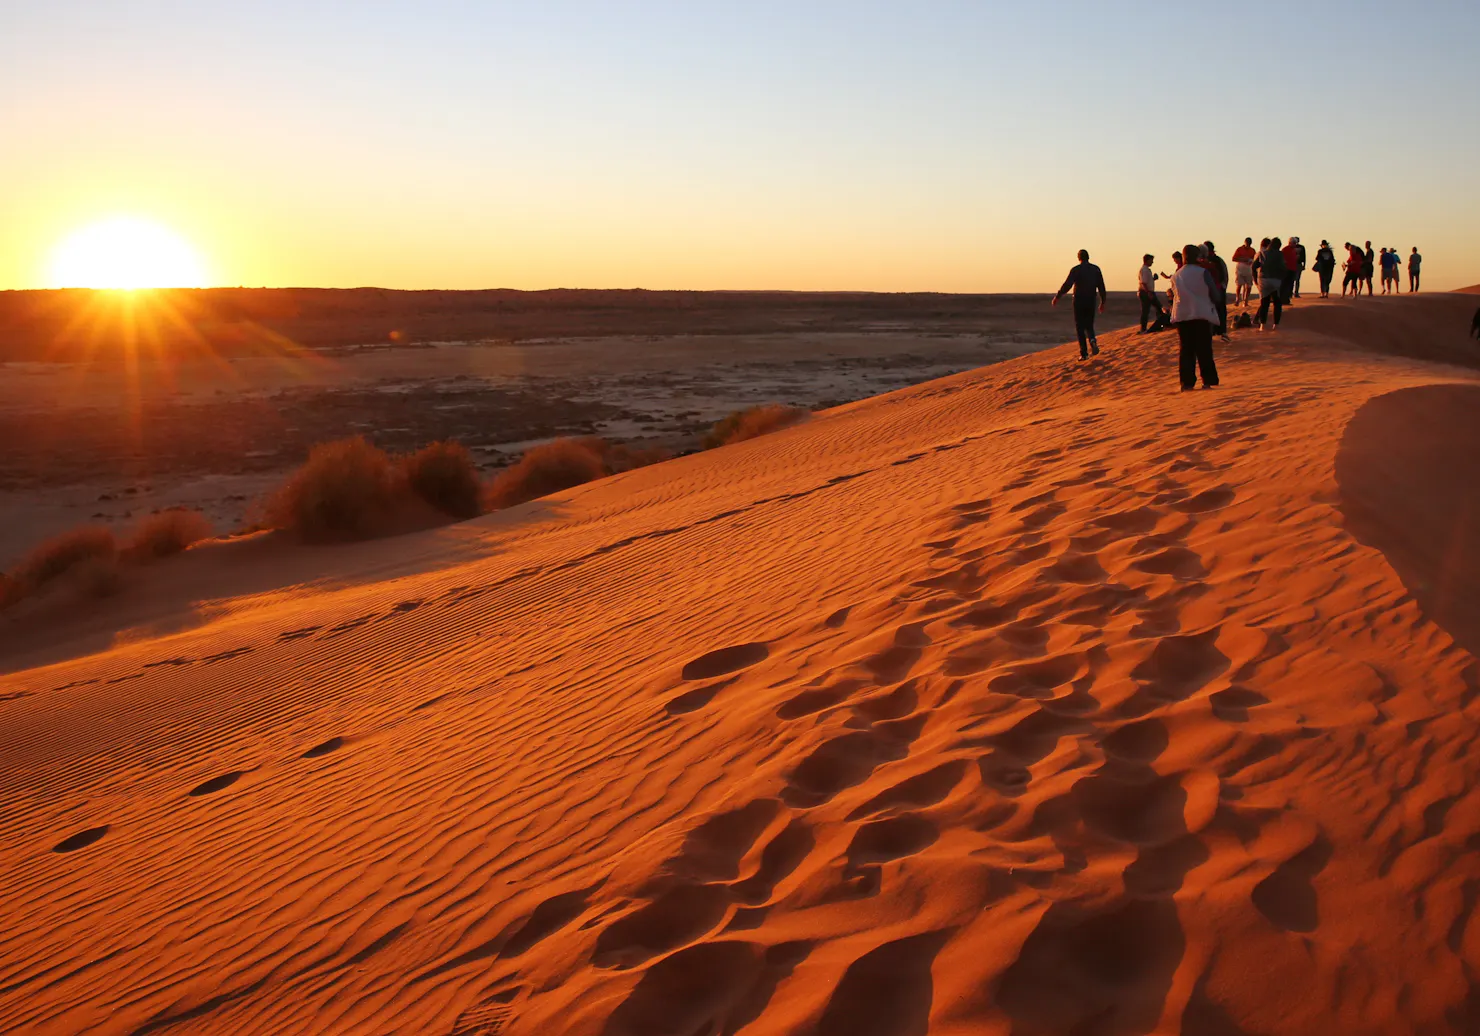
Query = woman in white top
x=1195 y=314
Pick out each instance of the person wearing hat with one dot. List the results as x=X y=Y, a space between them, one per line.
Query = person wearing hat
x=1325 y=267
x=1146 y=289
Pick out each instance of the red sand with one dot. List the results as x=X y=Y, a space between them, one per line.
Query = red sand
x=1040 y=699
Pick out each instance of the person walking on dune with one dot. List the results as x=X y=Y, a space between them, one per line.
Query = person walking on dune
x=1414 y=262
x=1271 y=285
x=1369 y=267
x=1195 y=317
x=1089 y=287
x=1325 y=267
x=1298 y=268
x=1146 y=290
x=1243 y=272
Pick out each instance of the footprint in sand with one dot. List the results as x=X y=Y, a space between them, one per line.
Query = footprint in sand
x=216 y=784
x=726 y=660
x=678 y=916
x=334 y=744
x=81 y=840
x=886 y=992
x=836 y=764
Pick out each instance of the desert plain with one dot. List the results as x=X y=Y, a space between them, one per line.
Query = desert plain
x=1005 y=695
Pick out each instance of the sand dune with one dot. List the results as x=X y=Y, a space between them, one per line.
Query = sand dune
x=1038 y=699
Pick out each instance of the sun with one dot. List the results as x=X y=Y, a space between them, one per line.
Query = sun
x=126 y=252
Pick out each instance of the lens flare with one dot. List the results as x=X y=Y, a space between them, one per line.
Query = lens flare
x=126 y=252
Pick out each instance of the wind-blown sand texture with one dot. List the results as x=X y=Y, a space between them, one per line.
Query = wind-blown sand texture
x=1038 y=699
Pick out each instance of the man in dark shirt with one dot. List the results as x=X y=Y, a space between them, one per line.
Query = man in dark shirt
x=1089 y=287
x=1369 y=264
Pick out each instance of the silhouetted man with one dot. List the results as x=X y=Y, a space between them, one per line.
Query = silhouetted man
x=1087 y=282
x=1369 y=266
x=1415 y=261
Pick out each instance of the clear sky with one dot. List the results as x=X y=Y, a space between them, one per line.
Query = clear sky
x=805 y=144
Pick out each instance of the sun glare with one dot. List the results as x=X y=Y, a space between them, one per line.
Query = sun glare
x=126 y=252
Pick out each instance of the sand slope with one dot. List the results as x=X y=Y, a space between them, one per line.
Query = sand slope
x=1040 y=699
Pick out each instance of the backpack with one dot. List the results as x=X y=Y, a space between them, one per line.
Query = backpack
x=1243 y=321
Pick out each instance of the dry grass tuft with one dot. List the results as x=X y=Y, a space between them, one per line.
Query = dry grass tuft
x=88 y=553
x=167 y=532
x=560 y=465
x=345 y=490
x=752 y=423
x=547 y=469
x=444 y=475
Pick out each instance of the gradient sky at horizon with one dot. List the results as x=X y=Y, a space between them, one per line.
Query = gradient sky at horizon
x=945 y=146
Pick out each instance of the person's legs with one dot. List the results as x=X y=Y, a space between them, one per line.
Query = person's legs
x=1084 y=316
x=1263 y=309
x=1187 y=353
x=1414 y=286
x=1278 y=308
x=1325 y=283
x=1221 y=302
x=1203 y=345
x=1146 y=303
x=1296 y=291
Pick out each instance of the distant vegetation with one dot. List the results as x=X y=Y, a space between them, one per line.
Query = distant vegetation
x=351 y=489
x=752 y=423
x=91 y=560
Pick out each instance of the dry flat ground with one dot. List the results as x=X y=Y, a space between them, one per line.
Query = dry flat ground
x=1039 y=699
x=106 y=432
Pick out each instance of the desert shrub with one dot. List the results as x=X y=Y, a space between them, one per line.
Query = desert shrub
x=77 y=553
x=345 y=490
x=548 y=469
x=443 y=474
x=167 y=532
x=752 y=422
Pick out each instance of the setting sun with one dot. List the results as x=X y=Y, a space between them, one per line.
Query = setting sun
x=126 y=252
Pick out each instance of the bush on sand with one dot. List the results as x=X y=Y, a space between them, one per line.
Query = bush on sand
x=560 y=465
x=345 y=490
x=167 y=532
x=443 y=474
x=88 y=553
x=752 y=422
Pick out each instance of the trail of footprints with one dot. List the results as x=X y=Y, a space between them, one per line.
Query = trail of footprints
x=686 y=928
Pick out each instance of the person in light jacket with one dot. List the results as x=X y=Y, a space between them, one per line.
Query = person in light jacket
x=1195 y=316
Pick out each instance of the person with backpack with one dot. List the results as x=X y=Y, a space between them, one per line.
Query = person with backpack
x=1325 y=267
x=1243 y=270
x=1271 y=285
x=1146 y=290
x=1414 y=262
x=1195 y=317
x=1088 y=284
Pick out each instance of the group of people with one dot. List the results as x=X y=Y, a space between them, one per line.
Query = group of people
x=1362 y=263
x=1197 y=296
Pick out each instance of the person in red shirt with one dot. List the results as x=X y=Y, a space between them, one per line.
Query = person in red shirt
x=1243 y=272
x=1291 y=253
